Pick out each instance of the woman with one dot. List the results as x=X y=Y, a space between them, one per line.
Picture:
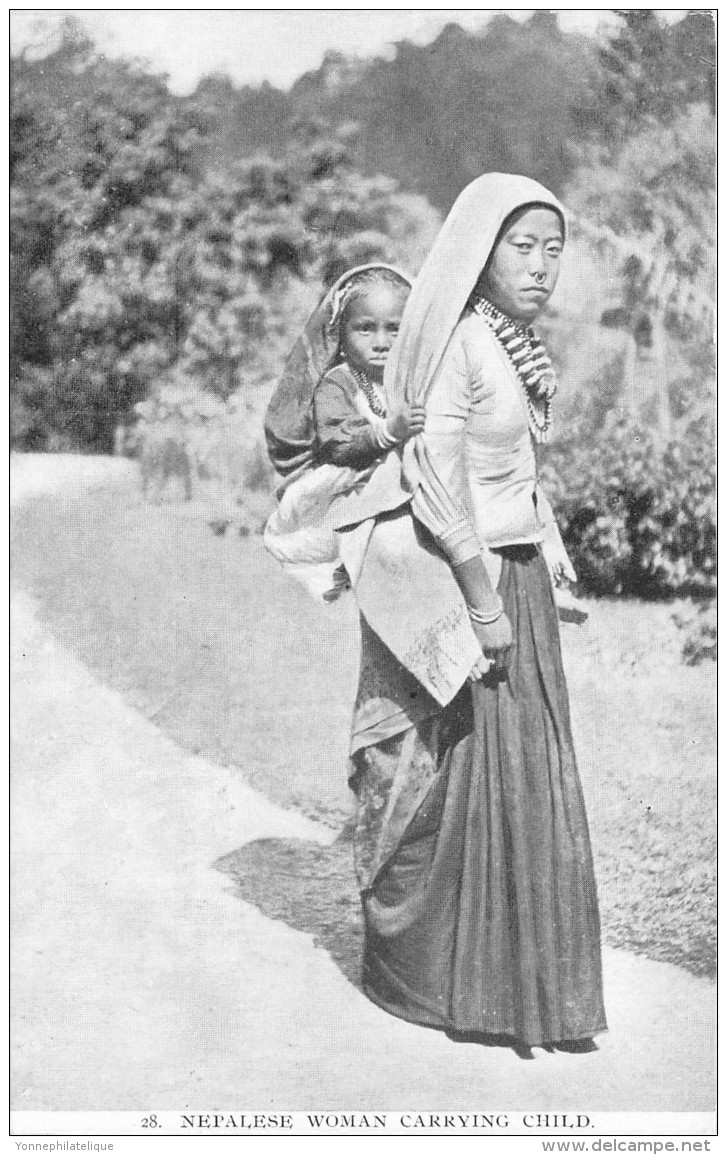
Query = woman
x=472 y=845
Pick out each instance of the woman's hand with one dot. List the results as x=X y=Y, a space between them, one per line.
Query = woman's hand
x=406 y=422
x=558 y=562
x=496 y=641
x=480 y=668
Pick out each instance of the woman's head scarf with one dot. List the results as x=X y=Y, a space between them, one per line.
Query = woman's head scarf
x=289 y=429
x=448 y=276
x=407 y=592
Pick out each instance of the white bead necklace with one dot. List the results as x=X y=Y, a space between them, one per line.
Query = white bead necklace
x=530 y=361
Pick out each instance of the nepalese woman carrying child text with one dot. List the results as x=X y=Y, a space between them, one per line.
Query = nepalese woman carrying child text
x=327 y=424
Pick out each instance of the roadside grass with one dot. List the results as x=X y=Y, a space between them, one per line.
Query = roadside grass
x=207 y=637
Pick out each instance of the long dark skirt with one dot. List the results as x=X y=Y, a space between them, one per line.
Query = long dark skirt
x=481 y=912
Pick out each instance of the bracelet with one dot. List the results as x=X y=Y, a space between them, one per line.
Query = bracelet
x=384 y=438
x=486 y=619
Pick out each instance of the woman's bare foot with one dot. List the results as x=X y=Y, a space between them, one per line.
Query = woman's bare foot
x=576 y=1046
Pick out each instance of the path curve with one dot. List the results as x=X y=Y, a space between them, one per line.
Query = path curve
x=141 y=981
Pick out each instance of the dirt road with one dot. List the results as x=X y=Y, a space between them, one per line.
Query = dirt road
x=141 y=981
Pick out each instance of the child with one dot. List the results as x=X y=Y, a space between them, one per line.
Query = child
x=351 y=425
x=327 y=424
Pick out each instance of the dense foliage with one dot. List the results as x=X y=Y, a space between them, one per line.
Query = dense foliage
x=636 y=517
x=699 y=633
x=171 y=247
x=516 y=97
x=99 y=156
x=134 y=264
x=648 y=206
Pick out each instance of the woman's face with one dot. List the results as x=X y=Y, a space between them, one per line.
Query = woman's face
x=523 y=270
x=370 y=325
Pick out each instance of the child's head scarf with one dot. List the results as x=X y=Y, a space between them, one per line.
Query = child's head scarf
x=289 y=427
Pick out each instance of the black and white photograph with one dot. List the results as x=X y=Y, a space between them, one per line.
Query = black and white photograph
x=363 y=576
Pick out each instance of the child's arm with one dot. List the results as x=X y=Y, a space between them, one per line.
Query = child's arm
x=343 y=436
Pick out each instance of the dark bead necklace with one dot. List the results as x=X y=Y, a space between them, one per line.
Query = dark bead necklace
x=372 y=394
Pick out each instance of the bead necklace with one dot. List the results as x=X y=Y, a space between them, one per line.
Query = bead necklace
x=530 y=361
x=373 y=395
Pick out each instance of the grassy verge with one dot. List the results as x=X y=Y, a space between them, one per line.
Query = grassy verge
x=207 y=637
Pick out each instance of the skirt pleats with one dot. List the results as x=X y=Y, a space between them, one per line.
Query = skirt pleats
x=484 y=917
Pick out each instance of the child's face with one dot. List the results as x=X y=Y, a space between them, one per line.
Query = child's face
x=369 y=328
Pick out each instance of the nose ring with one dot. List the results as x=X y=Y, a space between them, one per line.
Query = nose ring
x=540 y=278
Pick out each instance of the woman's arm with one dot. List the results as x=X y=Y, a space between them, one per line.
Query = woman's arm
x=442 y=501
x=554 y=552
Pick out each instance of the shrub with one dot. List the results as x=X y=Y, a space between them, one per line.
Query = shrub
x=636 y=518
x=699 y=634
x=135 y=262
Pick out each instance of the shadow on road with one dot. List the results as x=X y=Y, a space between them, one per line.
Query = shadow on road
x=310 y=887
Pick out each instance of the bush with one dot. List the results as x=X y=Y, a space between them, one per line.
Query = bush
x=636 y=518
x=134 y=263
x=699 y=634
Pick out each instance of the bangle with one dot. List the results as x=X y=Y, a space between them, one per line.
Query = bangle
x=385 y=439
x=486 y=619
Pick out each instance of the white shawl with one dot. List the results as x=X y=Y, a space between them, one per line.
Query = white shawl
x=404 y=587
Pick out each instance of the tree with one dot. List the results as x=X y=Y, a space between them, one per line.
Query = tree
x=94 y=145
x=514 y=98
x=136 y=267
x=652 y=71
x=271 y=228
x=517 y=97
x=650 y=204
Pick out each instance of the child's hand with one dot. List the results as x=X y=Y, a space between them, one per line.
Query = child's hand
x=407 y=422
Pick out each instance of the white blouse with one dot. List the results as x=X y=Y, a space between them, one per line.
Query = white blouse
x=479 y=480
